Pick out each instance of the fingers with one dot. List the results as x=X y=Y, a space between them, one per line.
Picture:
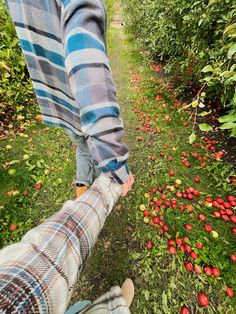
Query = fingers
x=126 y=187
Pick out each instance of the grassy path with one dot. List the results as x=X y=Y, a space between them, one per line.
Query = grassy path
x=109 y=263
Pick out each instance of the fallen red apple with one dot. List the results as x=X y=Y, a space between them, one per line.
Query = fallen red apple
x=233 y=218
x=199 y=245
x=182 y=248
x=230 y=198
x=172 y=249
x=188 y=227
x=208 y=270
x=188 y=248
x=220 y=200
x=12 y=227
x=230 y=292
x=171 y=242
x=38 y=185
x=171 y=173
x=201 y=217
x=179 y=241
x=188 y=266
x=197 y=269
x=163 y=196
x=233 y=258
x=184 y=310
x=165 y=228
x=156 y=220
x=149 y=245
x=208 y=228
x=194 y=255
x=215 y=272
x=203 y=299
x=216 y=214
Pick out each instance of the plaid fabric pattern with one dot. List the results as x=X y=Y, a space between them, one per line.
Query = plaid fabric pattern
x=38 y=274
x=64 y=43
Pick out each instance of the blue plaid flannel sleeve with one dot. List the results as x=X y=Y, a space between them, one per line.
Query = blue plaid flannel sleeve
x=91 y=82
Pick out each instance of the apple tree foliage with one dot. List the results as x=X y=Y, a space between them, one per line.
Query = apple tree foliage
x=196 y=40
x=15 y=86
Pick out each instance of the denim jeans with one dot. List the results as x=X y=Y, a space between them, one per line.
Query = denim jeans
x=86 y=170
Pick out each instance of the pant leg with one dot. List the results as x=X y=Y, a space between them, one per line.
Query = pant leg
x=84 y=165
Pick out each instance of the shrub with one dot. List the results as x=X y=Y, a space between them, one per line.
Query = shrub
x=195 y=37
x=15 y=87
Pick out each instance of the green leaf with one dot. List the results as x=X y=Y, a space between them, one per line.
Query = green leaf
x=231 y=29
x=212 y=2
x=208 y=78
x=234 y=98
x=204 y=113
x=231 y=79
x=227 y=73
x=205 y=127
x=192 y=138
x=233 y=132
x=207 y=68
x=200 y=22
x=231 y=51
x=228 y=118
x=14 y=162
x=228 y=125
x=146 y=295
x=164 y=299
x=233 y=67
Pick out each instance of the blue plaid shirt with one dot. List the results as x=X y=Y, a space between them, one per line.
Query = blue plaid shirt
x=64 y=43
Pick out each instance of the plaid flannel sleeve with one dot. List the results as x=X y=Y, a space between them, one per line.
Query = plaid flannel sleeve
x=38 y=274
x=91 y=82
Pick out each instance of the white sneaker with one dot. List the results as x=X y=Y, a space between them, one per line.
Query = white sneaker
x=127 y=291
x=110 y=190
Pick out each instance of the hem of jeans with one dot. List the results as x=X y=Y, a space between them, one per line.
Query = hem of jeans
x=88 y=184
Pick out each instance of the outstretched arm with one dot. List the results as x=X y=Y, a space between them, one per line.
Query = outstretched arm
x=37 y=275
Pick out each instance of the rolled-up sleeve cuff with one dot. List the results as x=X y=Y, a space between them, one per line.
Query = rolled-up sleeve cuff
x=120 y=175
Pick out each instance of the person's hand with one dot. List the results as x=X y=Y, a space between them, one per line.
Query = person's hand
x=126 y=187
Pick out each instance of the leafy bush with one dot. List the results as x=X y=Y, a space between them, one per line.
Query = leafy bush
x=15 y=87
x=110 y=9
x=195 y=37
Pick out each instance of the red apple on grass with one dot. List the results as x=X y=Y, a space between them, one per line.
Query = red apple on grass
x=203 y=299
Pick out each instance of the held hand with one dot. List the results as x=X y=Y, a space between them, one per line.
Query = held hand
x=126 y=187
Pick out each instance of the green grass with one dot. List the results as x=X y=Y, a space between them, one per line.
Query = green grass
x=31 y=155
